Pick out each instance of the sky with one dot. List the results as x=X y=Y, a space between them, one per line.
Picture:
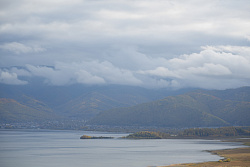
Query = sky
x=153 y=44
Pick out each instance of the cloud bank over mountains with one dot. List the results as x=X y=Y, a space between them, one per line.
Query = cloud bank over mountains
x=153 y=44
x=213 y=68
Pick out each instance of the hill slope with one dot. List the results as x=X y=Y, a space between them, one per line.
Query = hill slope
x=194 y=109
x=112 y=105
x=78 y=101
x=12 y=111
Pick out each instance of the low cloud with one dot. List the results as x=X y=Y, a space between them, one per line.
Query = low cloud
x=214 y=67
x=10 y=78
x=87 y=72
x=85 y=77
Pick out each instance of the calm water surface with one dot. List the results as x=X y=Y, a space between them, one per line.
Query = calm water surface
x=50 y=148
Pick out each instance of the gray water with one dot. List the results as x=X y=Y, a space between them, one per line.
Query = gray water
x=50 y=148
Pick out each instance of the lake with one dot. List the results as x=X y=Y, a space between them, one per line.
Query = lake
x=50 y=148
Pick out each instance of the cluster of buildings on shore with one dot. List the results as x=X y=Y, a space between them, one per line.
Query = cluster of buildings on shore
x=69 y=124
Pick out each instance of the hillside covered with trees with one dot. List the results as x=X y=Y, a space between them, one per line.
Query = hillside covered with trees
x=74 y=102
x=193 y=109
x=125 y=106
x=193 y=133
x=11 y=111
x=216 y=132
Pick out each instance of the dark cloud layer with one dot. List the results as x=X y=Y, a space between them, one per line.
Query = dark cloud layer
x=152 y=44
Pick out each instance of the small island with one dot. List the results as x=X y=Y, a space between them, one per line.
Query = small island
x=94 y=137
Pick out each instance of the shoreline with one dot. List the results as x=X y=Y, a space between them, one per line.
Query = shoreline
x=237 y=157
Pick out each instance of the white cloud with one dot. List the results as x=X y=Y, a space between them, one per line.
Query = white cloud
x=10 y=78
x=212 y=68
x=112 y=74
x=161 y=72
x=209 y=69
x=20 y=72
x=91 y=72
x=86 y=78
x=51 y=75
x=20 y=48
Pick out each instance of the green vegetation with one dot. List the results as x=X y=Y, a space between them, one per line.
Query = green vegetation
x=147 y=135
x=13 y=111
x=77 y=102
x=193 y=133
x=226 y=160
x=216 y=132
x=193 y=109
x=93 y=137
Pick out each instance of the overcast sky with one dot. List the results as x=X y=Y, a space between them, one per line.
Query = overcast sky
x=153 y=44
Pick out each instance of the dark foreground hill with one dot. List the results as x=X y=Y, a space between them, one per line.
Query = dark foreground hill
x=193 y=109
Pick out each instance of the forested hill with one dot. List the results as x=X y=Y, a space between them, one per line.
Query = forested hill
x=111 y=105
x=193 y=133
x=194 y=109
x=32 y=102
x=11 y=111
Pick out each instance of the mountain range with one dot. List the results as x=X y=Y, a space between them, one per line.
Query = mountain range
x=198 y=108
x=70 y=102
x=125 y=105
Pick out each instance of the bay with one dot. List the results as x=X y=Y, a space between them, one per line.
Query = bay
x=50 y=148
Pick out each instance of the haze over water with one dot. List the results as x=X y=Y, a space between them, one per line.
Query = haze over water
x=49 y=148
